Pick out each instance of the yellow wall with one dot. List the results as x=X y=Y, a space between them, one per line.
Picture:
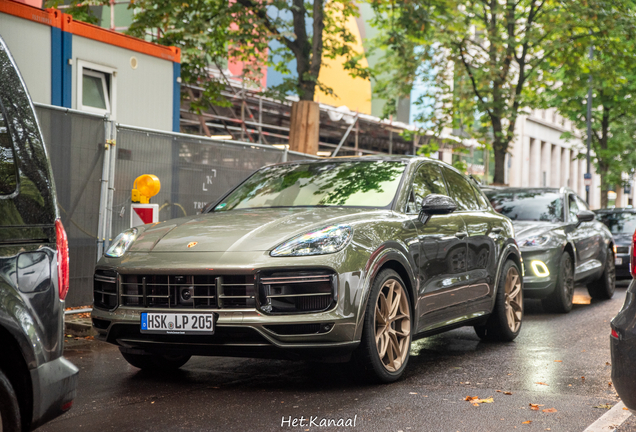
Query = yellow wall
x=355 y=93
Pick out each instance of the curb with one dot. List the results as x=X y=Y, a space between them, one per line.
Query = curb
x=76 y=328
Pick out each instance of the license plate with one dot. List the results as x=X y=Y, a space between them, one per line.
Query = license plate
x=177 y=323
x=619 y=261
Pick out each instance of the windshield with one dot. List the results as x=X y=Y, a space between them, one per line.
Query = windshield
x=619 y=223
x=354 y=184
x=530 y=205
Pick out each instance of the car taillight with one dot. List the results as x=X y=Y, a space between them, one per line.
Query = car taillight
x=633 y=257
x=63 y=273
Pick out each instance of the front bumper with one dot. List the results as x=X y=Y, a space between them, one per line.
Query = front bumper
x=244 y=333
x=536 y=286
x=54 y=388
x=624 y=350
x=248 y=330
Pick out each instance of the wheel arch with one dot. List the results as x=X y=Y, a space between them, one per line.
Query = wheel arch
x=14 y=366
x=510 y=251
x=387 y=259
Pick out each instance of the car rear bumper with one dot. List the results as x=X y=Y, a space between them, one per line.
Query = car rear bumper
x=54 y=388
x=624 y=350
x=622 y=269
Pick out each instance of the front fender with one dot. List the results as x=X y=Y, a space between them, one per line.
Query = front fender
x=384 y=254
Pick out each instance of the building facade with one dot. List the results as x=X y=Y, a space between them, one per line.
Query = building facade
x=76 y=65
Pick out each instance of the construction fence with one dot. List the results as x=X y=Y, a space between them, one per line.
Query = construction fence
x=95 y=162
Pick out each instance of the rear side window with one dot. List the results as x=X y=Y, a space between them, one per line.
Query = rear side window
x=461 y=191
x=8 y=168
x=27 y=194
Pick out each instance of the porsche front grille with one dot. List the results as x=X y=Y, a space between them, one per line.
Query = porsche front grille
x=186 y=292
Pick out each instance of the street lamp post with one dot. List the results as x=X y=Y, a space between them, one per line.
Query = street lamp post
x=588 y=174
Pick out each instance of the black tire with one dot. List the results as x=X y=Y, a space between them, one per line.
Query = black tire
x=366 y=363
x=604 y=287
x=560 y=301
x=497 y=327
x=155 y=362
x=9 y=409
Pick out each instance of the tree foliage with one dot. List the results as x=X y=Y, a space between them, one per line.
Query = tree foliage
x=213 y=32
x=482 y=61
x=613 y=81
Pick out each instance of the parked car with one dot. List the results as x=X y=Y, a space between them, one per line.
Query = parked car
x=336 y=259
x=37 y=383
x=561 y=244
x=623 y=344
x=622 y=224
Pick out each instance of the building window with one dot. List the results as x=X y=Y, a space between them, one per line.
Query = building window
x=96 y=85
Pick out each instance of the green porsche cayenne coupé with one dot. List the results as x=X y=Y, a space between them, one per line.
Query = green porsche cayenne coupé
x=345 y=260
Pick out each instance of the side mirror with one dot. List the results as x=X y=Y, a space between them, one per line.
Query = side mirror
x=585 y=216
x=435 y=204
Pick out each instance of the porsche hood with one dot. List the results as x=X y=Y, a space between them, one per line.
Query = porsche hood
x=241 y=230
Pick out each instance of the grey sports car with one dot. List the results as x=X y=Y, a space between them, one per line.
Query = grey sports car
x=337 y=259
x=561 y=243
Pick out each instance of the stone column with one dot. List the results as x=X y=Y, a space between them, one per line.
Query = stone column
x=565 y=167
x=555 y=166
x=535 y=163
x=545 y=164
x=574 y=172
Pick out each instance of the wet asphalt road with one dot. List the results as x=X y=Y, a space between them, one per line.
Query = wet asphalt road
x=569 y=354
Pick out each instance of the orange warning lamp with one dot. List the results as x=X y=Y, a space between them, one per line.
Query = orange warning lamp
x=145 y=187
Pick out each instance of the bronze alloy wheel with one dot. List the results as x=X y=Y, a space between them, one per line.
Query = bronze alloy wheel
x=392 y=325
x=514 y=299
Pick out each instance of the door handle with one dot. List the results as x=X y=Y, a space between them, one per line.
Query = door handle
x=461 y=234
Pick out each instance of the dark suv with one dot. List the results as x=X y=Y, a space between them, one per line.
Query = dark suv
x=37 y=383
x=622 y=223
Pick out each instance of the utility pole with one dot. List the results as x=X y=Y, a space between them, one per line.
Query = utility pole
x=588 y=174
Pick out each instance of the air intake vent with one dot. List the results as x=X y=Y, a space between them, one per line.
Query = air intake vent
x=297 y=292
x=105 y=289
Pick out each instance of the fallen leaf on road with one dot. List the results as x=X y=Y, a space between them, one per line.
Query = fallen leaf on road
x=541 y=383
x=475 y=404
x=527 y=422
x=558 y=361
x=412 y=393
x=549 y=410
x=487 y=400
x=507 y=393
x=535 y=407
x=498 y=391
x=609 y=383
x=607 y=363
x=470 y=398
x=626 y=409
x=603 y=406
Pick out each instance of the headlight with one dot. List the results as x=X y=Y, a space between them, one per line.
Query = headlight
x=535 y=241
x=121 y=243
x=327 y=240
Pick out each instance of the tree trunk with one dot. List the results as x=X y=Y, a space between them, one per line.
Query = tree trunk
x=604 y=190
x=500 y=167
x=304 y=127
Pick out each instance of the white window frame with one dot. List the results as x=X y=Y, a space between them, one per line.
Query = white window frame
x=99 y=71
